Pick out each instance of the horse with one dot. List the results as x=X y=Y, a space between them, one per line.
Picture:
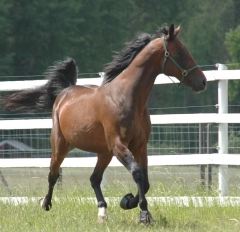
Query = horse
x=111 y=119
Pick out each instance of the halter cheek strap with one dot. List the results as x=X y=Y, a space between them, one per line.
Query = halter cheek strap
x=167 y=55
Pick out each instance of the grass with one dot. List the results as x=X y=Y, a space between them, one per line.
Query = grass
x=69 y=214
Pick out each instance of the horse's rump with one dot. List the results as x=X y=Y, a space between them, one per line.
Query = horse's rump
x=80 y=103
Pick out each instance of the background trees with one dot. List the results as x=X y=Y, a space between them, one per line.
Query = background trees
x=34 y=34
x=233 y=45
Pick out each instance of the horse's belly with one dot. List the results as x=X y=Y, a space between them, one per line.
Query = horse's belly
x=86 y=136
x=91 y=142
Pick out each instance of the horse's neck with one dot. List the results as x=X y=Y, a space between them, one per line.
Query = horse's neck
x=131 y=88
x=136 y=82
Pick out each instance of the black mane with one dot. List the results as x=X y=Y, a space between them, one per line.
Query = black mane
x=122 y=59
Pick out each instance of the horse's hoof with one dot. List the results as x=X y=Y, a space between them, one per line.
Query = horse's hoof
x=102 y=214
x=145 y=218
x=125 y=200
x=45 y=206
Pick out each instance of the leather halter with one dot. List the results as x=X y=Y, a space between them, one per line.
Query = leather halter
x=167 y=55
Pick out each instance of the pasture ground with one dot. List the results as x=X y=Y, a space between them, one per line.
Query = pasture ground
x=71 y=214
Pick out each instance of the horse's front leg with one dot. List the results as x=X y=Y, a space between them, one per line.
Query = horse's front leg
x=140 y=177
x=96 y=179
x=129 y=201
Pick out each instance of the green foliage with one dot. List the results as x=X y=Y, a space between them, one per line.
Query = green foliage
x=164 y=96
x=205 y=31
x=233 y=46
x=234 y=93
x=34 y=34
x=6 y=58
x=42 y=32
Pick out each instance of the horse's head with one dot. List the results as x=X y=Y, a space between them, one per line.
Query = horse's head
x=179 y=63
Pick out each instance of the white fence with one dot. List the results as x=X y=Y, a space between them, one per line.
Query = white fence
x=222 y=118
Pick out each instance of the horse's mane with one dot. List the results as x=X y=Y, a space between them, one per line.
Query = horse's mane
x=122 y=59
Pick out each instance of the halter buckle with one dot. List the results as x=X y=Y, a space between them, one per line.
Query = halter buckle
x=184 y=72
x=167 y=54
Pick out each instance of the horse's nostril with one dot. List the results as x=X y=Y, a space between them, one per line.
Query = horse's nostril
x=204 y=82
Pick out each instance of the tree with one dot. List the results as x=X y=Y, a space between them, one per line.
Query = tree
x=6 y=58
x=42 y=32
x=45 y=31
x=233 y=46
x=206 y=30
x=37 y=33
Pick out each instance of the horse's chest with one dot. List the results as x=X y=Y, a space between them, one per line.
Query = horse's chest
x=131 y=130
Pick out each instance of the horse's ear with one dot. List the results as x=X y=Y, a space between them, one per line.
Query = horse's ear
x=177 y=30
x=170 y=34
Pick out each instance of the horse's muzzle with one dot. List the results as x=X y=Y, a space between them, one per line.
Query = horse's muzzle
x=200 y=86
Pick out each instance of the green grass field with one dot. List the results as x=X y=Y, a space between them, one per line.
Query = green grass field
x=71 y=214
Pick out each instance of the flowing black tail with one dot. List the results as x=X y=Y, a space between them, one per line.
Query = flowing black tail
x=60 y=76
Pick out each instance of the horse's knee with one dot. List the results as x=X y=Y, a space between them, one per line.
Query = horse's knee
x=137 y=174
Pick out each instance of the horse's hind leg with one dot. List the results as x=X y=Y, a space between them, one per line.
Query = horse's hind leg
x=96 y=178
x=60 y=148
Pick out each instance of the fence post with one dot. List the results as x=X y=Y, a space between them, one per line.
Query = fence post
x=223 y=133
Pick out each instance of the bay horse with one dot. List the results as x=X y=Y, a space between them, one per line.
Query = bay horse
x=111 y=119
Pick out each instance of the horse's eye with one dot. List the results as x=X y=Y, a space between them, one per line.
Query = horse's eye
x=181 y=52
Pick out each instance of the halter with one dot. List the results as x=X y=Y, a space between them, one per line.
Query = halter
x=167 y=55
